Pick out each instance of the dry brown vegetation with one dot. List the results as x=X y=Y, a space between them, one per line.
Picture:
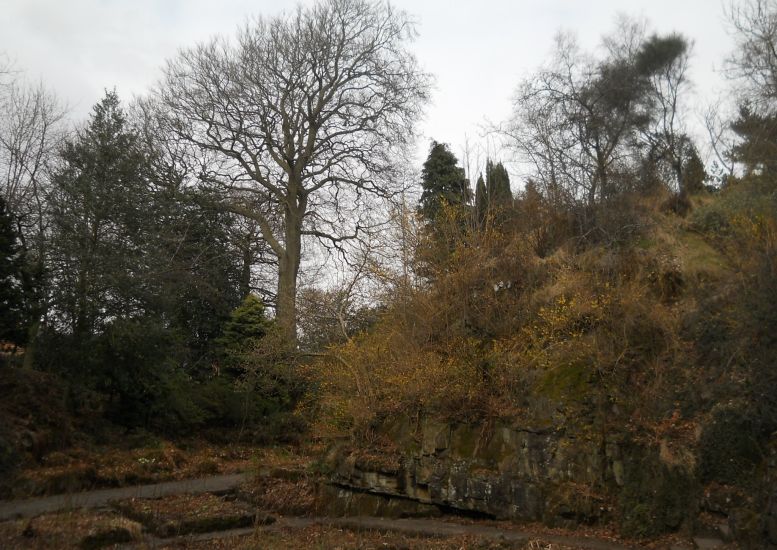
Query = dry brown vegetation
x=77 y=529
x=591 y=324
x=82 y=468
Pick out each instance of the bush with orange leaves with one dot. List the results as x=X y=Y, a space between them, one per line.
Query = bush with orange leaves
x=430 y=349
x=500 y=332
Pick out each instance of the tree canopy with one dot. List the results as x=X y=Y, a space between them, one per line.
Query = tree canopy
x=299 y=121
x=442 y=181
x=582 y=122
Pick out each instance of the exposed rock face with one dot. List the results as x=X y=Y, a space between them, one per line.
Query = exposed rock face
x=501 y=471
x=549 y=475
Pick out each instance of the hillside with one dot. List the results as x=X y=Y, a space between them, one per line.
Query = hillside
x=628 y=382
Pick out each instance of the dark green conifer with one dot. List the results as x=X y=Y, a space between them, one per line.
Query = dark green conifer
x=494 y=195
x=498 y=185
x=443 y=182
x=481 y=200
x=12 y=317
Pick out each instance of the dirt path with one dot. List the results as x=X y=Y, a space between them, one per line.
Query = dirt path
x=418 y=527
x=438 y=528
x=214 y=484
x=10 y=509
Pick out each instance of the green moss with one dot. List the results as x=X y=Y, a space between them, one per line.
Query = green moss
x=494 y=450
x=464 y=441
x=655 y=498
x=731 y=445
x=699 y=259
x=566 y=382
x=401 y=431
x=645 y=243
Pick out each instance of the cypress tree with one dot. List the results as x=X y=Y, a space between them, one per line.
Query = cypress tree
x=493 y=195
x=498 y=185
x=481 y=200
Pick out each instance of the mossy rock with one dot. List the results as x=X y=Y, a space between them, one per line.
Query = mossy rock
x=188 y=514
x=108 y=537
x=464 y=440
x=116 y=531
x=731 y=445
x=401 y=430
x=569 y=505
x=340 y=502
x=570 y=382
x=656 y=498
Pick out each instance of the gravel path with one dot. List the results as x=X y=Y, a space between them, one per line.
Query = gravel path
x=10 y=509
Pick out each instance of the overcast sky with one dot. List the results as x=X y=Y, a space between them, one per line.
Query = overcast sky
x=478 y=50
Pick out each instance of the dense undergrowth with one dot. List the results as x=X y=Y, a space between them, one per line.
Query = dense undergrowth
x=129 y=390
x=586 y=324
x=663 y=338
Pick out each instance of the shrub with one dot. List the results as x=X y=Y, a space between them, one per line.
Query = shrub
x=731 y=445
x=656 y=498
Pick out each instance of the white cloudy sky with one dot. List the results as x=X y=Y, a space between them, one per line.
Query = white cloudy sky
x=478 y=50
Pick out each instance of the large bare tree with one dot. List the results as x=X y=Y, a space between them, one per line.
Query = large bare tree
x=300 y=120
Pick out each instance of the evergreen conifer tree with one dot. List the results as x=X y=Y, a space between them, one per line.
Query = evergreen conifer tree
x=443 y=182
x=100 y=221
x=493 y=195
x=481 y=200
x=12 y=317
x=498 y=185
x=247 y=323
x=694 y=173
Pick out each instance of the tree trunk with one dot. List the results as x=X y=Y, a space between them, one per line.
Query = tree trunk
x=31 y=348
x=288 y=268
x=245 y=271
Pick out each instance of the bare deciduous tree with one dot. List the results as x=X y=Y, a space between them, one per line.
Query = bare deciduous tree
x=721 y=139
x=581 y=123
x=754 y=61
x=301 y=120
x=30 y=132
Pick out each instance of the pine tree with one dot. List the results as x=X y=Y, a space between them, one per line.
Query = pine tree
x=100 y=221
x=694 y=173
x=757 y=147
x=443 y=182
x=247 y=323
x=12 y=292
